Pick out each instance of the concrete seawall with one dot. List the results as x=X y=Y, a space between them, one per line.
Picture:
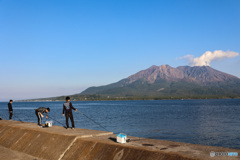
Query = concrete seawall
x=27 y=141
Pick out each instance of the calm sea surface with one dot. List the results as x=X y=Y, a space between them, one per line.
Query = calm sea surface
x=207 y=122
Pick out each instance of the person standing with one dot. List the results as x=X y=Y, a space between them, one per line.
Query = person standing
x=10 y=109
x=39 y=113
x=67 y=111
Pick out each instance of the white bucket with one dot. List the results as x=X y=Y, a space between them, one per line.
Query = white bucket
x=48 y=123
x=121 y=138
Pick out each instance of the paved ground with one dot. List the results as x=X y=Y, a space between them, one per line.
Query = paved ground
x=57 y=129
x=102 y=137
x=8 y=154
x=186 y=149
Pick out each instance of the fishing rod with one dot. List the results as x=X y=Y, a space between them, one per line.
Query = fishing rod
x=17 y=118
x=56 y=121
x=93 y=121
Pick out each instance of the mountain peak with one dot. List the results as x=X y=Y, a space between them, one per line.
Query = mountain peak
x=200 y=74
x=165 y=66
x=166 y=81
x=157 y=72
x=206 y=74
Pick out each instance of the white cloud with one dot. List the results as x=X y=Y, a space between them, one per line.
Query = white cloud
x=208 y=57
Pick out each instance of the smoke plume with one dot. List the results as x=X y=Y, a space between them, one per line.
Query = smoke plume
x=208 y=57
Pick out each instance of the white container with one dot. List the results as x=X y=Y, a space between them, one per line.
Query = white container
x=48 y=123
x=121 y=138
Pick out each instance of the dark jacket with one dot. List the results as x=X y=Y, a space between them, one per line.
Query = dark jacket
x=10 y=107
x=67 y=108
x=42 y=110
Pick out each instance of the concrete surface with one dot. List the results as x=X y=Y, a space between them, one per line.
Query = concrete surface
x=8 y=154
x=28 y=140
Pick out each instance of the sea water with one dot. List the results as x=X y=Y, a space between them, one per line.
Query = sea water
x=207 y=122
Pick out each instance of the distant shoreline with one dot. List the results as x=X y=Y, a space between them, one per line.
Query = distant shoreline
x=125 y=99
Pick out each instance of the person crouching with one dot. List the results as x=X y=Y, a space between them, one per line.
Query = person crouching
x=39 y=113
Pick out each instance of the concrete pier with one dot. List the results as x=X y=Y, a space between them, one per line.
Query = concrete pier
x=26 y=141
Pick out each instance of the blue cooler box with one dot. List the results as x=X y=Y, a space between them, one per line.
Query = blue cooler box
x=121 y=138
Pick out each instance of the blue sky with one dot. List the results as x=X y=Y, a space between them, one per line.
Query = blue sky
x=53 y=48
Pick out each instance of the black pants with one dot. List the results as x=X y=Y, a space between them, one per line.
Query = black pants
x=39 y=118
x=69 y=115
x=10 y=115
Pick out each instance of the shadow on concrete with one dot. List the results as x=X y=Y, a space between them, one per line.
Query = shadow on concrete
x=113 y=139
